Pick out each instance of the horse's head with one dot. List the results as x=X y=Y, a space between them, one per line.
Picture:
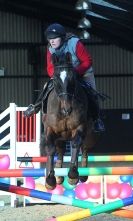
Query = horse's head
x=64 y=81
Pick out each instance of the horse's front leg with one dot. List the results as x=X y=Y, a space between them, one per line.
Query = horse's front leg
x=73 y=174
x=50 y=182
x=60 y=150
x=84 y=162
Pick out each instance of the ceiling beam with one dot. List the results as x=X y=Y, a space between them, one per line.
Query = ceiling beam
x=112 y=13
x=126 y=4
x=114 y=34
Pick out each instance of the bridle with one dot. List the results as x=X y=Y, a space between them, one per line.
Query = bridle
x=63 y=94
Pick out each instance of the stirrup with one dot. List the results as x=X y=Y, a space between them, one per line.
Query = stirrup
x=98 y=126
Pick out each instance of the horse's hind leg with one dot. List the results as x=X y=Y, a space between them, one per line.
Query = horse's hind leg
x=90 y=140
x=60 y=149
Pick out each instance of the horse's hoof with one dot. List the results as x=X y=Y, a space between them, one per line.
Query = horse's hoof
x=73 y=181
x=50 y=182
x=59 y=179
x=49 y=187
x=73 y=173
x=73 y=176
x=83 y=179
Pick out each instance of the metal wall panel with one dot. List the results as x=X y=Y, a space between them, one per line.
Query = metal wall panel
x=15 y=62
x=16 y=32
x=17 y=91
x=17 y=28
x=110 y=59
x=120 y=90
x=113 y=68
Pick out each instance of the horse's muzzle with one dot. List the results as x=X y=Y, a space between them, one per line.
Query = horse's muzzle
x=66 y=112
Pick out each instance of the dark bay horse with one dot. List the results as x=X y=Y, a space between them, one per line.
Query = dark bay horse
x=68 y=118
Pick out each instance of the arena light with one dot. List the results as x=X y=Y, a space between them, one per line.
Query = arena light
x=84 y=23
x=84 y=35
x=83 y=5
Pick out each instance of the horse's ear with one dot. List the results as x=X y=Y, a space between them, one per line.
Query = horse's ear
x=55 y=59
x=69 y=58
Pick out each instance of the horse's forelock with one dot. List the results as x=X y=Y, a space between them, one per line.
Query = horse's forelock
x=64 y=59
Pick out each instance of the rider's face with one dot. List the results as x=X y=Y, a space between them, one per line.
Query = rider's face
x=55 y=42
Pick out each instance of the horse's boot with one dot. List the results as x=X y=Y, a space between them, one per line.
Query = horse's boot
x=35 y=108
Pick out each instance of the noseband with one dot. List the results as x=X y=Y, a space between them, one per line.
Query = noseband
x=63 y=93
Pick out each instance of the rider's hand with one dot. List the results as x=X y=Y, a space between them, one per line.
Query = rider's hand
x=29 y=111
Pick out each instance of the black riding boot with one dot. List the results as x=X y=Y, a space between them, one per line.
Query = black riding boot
x=95 y=109
x=35 y=108
x=98 y=123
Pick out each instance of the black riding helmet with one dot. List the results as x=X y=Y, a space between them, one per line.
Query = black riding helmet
x=54 y=31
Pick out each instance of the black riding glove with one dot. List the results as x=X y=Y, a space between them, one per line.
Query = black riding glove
x=29 y=111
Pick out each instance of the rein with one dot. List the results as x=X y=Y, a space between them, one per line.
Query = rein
x=71 y=95
x=61 y=94
x=63 y=66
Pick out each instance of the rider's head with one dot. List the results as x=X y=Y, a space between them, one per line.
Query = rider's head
x=55 y=34
x=55 y=30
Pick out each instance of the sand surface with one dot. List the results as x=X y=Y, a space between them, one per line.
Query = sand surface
x=44 y=211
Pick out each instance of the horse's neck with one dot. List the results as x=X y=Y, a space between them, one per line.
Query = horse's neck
x=53 y=101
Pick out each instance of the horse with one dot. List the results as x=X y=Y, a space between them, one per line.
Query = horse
x=67 y=118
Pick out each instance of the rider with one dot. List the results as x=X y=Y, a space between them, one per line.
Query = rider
x=60 y=42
